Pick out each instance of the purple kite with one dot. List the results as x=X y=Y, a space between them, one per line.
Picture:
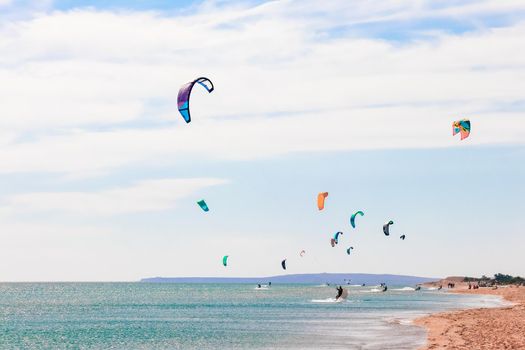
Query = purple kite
x=183 y=100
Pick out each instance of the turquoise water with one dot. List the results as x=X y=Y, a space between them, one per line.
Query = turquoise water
x=214 y=316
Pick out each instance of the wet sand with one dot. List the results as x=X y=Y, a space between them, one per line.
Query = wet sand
x=491 y=328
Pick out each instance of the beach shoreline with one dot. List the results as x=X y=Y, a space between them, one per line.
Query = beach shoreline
x=480 y=328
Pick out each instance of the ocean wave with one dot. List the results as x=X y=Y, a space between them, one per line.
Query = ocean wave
x=405 y=289
x=328 y=300
x=401 y=321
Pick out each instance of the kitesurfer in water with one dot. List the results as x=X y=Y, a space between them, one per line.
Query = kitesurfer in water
x=258 y=286
x=339 y=292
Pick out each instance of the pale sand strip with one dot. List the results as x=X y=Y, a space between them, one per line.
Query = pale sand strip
x=479 y=329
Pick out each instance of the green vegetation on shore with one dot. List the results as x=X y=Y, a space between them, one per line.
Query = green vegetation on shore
x=498 y=279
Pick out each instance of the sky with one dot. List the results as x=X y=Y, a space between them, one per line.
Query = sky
x=100 y=175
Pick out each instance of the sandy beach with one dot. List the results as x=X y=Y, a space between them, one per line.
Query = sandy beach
x=497 y=328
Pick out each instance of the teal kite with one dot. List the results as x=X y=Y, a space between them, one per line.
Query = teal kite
x=352 y=218
x=203 y=205
x=225 y=260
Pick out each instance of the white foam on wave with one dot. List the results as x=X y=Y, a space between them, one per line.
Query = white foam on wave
x=488 y=301
x=328 y=300
x=405 y=289
x=408 y=320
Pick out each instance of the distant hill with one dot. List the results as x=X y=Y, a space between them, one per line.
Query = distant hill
x=317 y=278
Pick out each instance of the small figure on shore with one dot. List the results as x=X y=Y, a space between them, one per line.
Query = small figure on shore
x=469 y=286
x=440 y=287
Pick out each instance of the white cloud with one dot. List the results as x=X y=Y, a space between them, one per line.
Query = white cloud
x=87 y=92
x=151 y=195
x=109 y=68
x=87 y=153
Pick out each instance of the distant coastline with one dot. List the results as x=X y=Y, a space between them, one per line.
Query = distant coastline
x=318 y=278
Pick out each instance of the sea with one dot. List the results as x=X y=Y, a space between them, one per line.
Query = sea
x=217 y=316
